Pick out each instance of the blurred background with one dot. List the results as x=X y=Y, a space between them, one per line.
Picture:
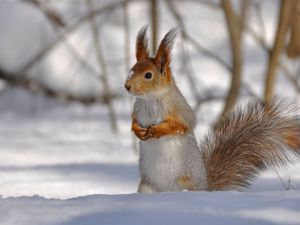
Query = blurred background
x=65 y=116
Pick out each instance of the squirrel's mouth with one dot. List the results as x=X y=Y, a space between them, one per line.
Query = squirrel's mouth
x=130 y=90
x=127 y=86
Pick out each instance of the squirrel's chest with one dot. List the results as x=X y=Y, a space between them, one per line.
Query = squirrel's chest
x=149 y=112
x=161 y=161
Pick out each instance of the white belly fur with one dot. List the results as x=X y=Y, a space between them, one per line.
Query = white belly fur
x=163 y=160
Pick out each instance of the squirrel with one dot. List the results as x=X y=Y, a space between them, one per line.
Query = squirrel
x=240 y=146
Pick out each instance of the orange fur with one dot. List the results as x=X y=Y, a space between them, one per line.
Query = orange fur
x=242 y=144
x=185 y=182
x=170 y=126
x=159 y=66
x=140 y=132
x=142 y=51
x=140 y=85
x=292 y=138
x=248 y=141
x=163 y=56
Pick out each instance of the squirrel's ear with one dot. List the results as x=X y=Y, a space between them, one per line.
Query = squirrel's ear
x=163 y=55
x=142 y=51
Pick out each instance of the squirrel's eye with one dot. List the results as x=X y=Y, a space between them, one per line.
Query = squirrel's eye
x=148 y=75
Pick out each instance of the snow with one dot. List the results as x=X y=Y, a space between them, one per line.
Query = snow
x=40 y=150
x=62 y=164
x=167 y=208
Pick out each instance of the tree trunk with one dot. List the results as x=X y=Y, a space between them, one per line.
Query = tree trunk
x=235 y=29
x=154 y=24
x=282 y=28
x=293 y=50
x=102 y=65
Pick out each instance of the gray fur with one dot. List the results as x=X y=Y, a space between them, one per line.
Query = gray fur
x=162 y=161
x=248 y=141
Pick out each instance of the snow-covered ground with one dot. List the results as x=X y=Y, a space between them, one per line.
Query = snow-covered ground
x=67 y=152
x=62 y=164
x=149 y=209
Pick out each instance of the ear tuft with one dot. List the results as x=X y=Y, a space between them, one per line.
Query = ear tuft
x=163 y=55
x=142 y=51
x=169 y=39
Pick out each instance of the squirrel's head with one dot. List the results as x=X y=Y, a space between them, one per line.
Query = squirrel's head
x=151 y=75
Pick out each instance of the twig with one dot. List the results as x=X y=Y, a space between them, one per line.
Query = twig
x=20 y=80
x=189 y=72
x=126 y=36
x=55 y=18
x=290 y=76
x=289 y=185
x=69 y=29
x=186 y=36
x=208 y=53
x=127 y=61
x=208 y=3
x=259 y=16
x=293 y=48
x=283 y=25
x=66 y=40
x=235 y=38
x=251 y=93
x=154 y=17
x=281 y=180
x=208 y=98
x=102 y=66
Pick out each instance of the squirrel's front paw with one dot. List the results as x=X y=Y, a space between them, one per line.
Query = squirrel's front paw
x=141 y=133
x=144 y=133
x=150 y=132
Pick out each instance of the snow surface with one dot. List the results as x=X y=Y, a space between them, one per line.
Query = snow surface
x=61 y=163
x=207 y=208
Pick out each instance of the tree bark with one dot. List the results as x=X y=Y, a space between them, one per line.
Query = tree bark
x=282 y=28
x=102 y=65
x=37 y=87
x=154 y=24
x=235 y=28
x=293 y=50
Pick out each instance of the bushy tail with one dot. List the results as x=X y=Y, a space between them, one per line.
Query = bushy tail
x=246 y=142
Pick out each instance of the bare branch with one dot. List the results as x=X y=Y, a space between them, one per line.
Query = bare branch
x=154 y=23
x=102 y=66
x=69 y=29
x=235 y=37
x=126 y=36
x=207 y=3
x=283 y=25
x=185 y=59
x=208 y=98
x=208 y=53
x=20 y=80
x=127 y=62
x=55 y=18
x=48 y=12
x=293 y=49
x=259 y=15
x=189 y=38
x=292 y=78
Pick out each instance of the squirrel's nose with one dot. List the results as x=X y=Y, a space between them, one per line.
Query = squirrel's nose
x=127 y=86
